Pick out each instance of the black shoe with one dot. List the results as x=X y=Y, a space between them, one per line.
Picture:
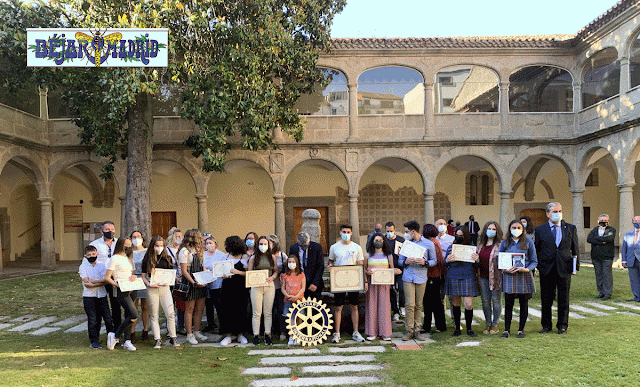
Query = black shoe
x=256 y=340
x=505 y=335
x=267 y=340
x=96 y=346
x=605 y=298
x=599 y=296
x=545 y=330
x=562 y=331
x=632 y=299
x=456 y=333
x=471 y=333
x=520 y=335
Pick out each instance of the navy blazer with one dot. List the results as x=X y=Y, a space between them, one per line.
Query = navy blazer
x=630 y=251
x=315 y=263
x=562 y=256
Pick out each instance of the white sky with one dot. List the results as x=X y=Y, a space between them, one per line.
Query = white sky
x=438 y=18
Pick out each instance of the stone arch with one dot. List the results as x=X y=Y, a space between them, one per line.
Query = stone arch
x=466 y=88
x=394 y=63
x=261 y=160
x=540 y=87
x=495 y=71
x=389 y=92
x=34 y=163
x=181 y=160
x=323 y=155
x=65 y=161
x=553 y=153
x=627 y=174
x=584 y=157
x=455 y=153
x=570 y=71
x=376 y=155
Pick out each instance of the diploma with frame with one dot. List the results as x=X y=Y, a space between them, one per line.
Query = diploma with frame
x=412 y=250
x=222 y=268
x=204 y=277
x=128 y=286
x=383 y=276
x=463 y=252
x=347 y=278
x=508 y=260
x=256 y=278
x=163 y=277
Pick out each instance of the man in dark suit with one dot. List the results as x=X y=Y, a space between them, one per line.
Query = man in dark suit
x=473 y=227
x=556 y=246
x=312 y=260
x=602 y=251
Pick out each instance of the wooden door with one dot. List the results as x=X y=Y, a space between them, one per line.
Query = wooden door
x=324 y=224
x=538 y=216
x=161 y=223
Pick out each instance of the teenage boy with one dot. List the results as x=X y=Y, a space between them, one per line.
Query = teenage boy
x=94 y=296
x=346 y=253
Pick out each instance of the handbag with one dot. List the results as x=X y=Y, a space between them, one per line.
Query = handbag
x=181 y=288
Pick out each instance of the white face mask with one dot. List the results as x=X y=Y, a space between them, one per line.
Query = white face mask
x=137 y=242
x=516 y=232
x=407 y=235
x=263 y=248
x=291 y=265
x=442 y=228
x=159 y=249
x=178 y=241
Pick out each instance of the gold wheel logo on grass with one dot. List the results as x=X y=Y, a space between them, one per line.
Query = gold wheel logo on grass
x=309 y=321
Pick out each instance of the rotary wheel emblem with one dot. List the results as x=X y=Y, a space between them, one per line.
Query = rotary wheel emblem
x=309 y=321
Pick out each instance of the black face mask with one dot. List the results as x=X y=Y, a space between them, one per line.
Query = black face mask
x=603 y=224
x=108 y=234
x=458 y=240
x=91 y=259
x=377 y=244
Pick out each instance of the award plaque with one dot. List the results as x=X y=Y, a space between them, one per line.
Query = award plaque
x=383 y=277
x=256 y=278
x=347 y=278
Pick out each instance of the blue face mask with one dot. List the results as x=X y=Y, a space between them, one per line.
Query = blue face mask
x=377 y=230
x=346 y=237
x=556 y=217
x=491 y=233
x=390 y=235
x=636 y=225
x=250 y=243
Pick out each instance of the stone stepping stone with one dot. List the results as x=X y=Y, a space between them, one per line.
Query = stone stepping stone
x=376 y=349
x=351 y=341
x=3 y=317
x=285 y=352
x=571 y=314
x=5 y=325
x=44 y=331
x=203 y=344
x=600 y=306
x=24 y=318
x=320 y=381
x=78 y=328
x=587 y=310
x=627 y=313
x=341 y=368
x=627 y=305
x=317 y=359
x=535 y=312
x=70 y=321
x=267 y=371
x=33 y=324
x=469 y=344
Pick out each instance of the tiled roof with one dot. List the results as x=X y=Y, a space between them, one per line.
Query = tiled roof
x=527 y=41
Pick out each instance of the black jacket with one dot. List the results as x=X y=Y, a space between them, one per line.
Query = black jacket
x=560 y=256
x=315 y=263
x=602 y=247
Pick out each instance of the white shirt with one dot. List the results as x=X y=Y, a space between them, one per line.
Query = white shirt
x=122 y=268
x=209 y=259
x=186 y=256
x=94 y=273
x=104 y=252
x=445 y=240
x=345 y=254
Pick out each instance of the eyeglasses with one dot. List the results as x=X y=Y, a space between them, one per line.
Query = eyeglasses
x=206 y=234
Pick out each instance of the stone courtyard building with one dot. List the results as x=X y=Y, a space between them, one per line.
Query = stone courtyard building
x=408 y=129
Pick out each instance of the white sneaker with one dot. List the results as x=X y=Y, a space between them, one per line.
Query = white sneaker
x=171 y=342
x=191 y=339
x=128 y=346
x=336 y=337
x=158 y=344
x=111 y=341
x=396 y=317
x=402 y=312
x=226 y=341
x=292 y=341
x=357 y=337
x=200 y=336
x=387 y=338
x=242 y=339
x=371 y=338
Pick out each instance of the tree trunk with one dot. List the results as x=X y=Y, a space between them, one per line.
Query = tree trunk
x=138 y=199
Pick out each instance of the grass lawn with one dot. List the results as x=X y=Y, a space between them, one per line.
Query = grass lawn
x=597 y=351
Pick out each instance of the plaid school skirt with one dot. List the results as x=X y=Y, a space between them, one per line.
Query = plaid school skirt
x=461 y=287
x=518 y=283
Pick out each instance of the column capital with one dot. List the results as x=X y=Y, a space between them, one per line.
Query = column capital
x=577 y=191
x=352 y=85
x=278 y=197
x=428 y=85
x=428 y=195
x=504 y=85
x=353 y=197
x=505 y=194
x=45 y=199
x=201 y=197
x=624 y=61
x=122 y=198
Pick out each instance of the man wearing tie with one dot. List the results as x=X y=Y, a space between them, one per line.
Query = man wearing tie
x=556 y=246
x=312 y=261
x=631 y=257
x=473 y=227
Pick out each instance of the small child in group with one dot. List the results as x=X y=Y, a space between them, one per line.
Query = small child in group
x=293 y=285
x=94 y=296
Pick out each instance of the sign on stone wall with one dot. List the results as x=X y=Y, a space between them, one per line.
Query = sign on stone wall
x=72 y=219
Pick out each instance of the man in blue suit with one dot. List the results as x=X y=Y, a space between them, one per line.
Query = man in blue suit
x=556 y=246
x=631 y=257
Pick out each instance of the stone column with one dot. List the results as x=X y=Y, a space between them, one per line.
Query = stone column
x=504 y=109
x=627 y=211
x=48 y=254
x=429 y=211
x=428 y=110
x=505 y=209
x=353 y=216
x=123 y=201
x=203 y=214
x=281 y=232
x=577 y=96
x=353 y=112
x=625 y=85
x=578 y=216
x=44 y=104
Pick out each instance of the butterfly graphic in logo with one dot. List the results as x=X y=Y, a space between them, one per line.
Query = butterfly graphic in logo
x=96 y=43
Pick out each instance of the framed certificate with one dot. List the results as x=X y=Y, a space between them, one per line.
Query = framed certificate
x=128 y=286
x=163 y=277
x=204 y=277
x=256 y=278
x=412 y=250
x=463 y=252
x=397 y=247
x=383 y=277
x=508 y=260
x=222 y=268
x=346 y=278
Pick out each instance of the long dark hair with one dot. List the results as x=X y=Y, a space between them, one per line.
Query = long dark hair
x=259 y=254
x=151 y=257
x=484 y=238
x=386 y=250
x=529 y=228
x=466 y=237
x=119 y=249
x=522 y=242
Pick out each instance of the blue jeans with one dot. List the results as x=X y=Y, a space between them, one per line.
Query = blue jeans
x=491 y=301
